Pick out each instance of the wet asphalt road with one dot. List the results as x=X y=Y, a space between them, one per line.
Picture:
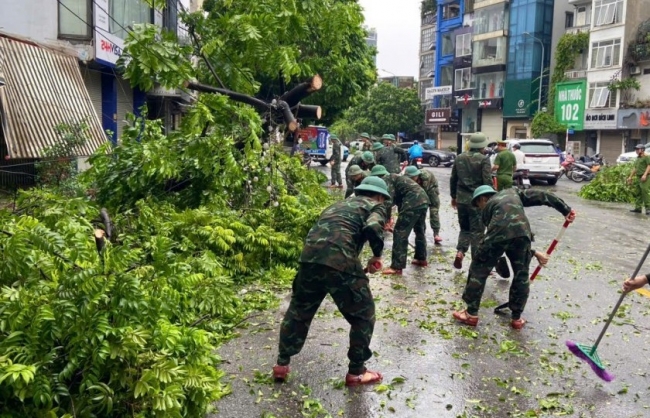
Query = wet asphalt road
x=434 y=367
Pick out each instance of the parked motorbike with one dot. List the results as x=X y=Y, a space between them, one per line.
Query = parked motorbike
x=567 y=167
x=581 y=172
x=520 y=179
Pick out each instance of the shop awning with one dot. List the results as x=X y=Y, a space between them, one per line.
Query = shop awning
x=43 y=89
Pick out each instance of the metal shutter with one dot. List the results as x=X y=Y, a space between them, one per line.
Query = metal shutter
x=93 y=81
x=492 y=124
x=611 y=144
x=124 y=104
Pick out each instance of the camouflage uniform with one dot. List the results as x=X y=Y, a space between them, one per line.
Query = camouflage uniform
x=336 y=167
x=356 y=160
x=507 y=162
x=329 y=264
x=470 y=170
x=430 y=186
x=390 y=157
x=412 y=203
x=508 y=230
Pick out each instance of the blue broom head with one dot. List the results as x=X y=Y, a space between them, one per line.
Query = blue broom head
x=584 y=352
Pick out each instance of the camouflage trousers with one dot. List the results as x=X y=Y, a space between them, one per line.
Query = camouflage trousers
x=471 y=228
x=407 y=221
x=518 y=252
x=434 y=217
x=642 y=195
x=504 y=182
x=353 y=298
x=336 y=174
x=349 y=187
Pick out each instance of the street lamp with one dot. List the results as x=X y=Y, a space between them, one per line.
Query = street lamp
x=541 y=71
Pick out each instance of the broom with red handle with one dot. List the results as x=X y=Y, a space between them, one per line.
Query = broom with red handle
x=551 y=248
x=588 y=353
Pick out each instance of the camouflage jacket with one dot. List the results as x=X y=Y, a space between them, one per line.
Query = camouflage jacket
x=357 y=160
x=337 y=238
x=336 y=152
x=405 y=193
x=430 y=186
x=390 y=157
x=470 y=170
x=504 y=213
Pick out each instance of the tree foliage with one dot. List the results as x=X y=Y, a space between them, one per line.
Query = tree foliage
x=569 y=47
x=544 y=124
x=386 y=109
x=610 y=185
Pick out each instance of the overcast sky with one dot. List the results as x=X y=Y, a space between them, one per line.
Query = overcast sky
x=398 y=34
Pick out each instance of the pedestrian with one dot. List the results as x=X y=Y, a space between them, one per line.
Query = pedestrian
x=428 y=182
x=355 y=175
x=412 y=203
x=641 y=183
x=365 y=160
x=390 y=156
x=415 y=151
x=470 y=170
x=505 y=165
x=508 y=231
x=329 y=264
x=635 y=283
x=520 y=157
x=335 y=162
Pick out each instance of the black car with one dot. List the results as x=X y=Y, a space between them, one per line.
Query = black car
x=432 y=156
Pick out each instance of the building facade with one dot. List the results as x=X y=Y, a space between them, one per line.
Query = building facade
x=427 y=59
x=401 y=82
x=371 y=40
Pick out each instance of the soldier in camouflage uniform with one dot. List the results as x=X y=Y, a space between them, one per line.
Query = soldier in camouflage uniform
x=428 y=182
x=390 y=156
x=508 y=230
x=335 y=162
x=412 y=202
x=470 y=170
x=365 y=160
x=329 y=264
x=367 y=143
x=355 y=175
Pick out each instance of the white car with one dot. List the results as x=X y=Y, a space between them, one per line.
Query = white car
x=542 y=161
x=628 y=157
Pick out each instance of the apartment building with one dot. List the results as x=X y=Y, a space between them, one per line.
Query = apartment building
x=427 y=57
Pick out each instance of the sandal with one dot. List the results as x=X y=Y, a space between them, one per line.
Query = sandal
x=465 y=318
x=357 y=380
x=280 y=372
x=421 y=263
x=392 y=271
x=458 y=261
x=518 y=323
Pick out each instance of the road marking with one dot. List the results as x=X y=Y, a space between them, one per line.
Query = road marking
x=644 y=292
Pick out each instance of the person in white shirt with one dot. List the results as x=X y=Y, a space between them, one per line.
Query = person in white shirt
x=519 y=154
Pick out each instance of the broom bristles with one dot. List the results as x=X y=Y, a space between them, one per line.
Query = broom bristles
x=600 y=372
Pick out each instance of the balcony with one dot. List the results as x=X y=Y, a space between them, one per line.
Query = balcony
x=575 y=74
x=578 y=29
x=430 y=19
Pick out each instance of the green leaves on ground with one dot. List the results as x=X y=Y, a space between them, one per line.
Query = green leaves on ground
x=610 y=185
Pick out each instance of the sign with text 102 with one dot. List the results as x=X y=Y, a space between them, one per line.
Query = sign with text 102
x=570 y=100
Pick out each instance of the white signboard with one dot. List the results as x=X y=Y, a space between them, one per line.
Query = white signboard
x=431 y=92
x=108 y=47
x=600 y=118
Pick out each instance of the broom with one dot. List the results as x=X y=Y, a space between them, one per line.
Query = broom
x=560 y=234
x=589 y=354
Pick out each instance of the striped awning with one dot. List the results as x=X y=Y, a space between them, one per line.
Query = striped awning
x=43 y=89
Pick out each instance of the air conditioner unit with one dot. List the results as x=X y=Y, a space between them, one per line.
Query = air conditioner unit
x=635 y=70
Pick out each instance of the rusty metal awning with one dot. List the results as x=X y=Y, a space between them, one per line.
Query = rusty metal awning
x=43 y=89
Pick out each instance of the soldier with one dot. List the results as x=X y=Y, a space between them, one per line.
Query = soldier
x=354 y=176
x=365 y=160
x=329 y=264
x=508 y=230
x=505 y=165
x=367 y=144
x=641 y=169
x=470 y=170
x=390 y=156
x=428 y=182
x=335 y=162
x=412 y=202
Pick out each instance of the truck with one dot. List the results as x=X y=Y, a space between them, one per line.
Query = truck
x=316 y=142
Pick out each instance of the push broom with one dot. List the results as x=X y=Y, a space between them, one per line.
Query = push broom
x=551 y=248
x=589 y=354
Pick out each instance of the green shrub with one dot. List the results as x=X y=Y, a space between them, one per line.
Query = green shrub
x=610 y=185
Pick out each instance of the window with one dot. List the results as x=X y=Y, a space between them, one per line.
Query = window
x=450 y=11
x=489 y=85
x=528 y=148
x=446 y=75
x=605 y=53
x=428 y=39
x=490 y=19
x=607 y=12
x=447 y=44
x=426 y=66
x=74 y=19
x=464 y=45
x=463 y=79
x=125 y=13
x=583 y=16
x=489 y=52
x=424 y=85
x=568 y=20
x=601 y=96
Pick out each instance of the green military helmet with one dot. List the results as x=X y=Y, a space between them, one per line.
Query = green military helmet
x=392 y=137
x=379 y=170
x=376 y=146
x=387 y=136
x=367 y=157
x=480 y=191
x=334 y=137
x=373 y=184
x=354 y=170
x=478 y=140
x=365 y=135
x=411 y=171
